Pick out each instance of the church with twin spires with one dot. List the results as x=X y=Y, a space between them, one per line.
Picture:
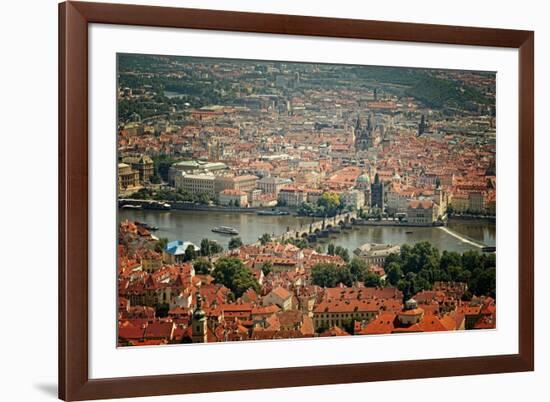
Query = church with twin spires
x=365 y=136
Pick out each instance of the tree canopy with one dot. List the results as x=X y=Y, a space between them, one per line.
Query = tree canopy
x=338 y=250
x=190 y=253
x=202 y=266
x=210 y=247
x=232 y=273
x=329 y=204
x=265 y=238
x=330 y=275
x=417 y=267
x=235 y=242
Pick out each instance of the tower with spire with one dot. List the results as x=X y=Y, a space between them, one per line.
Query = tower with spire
x=198 y=322
x=422 y=125
x=363 y=135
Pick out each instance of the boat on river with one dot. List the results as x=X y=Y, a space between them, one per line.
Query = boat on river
x=225 y=230
x=272 y=213
x=130 y=206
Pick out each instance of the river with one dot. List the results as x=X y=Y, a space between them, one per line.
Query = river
x=459 y=235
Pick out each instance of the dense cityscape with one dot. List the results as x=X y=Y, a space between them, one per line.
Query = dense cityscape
x=301 y=156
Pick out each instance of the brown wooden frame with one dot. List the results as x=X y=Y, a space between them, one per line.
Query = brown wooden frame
x=74 y=17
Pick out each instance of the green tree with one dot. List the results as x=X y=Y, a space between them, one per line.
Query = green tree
x=202 y=266
x=215 y=247
x=472 y=260
x=330 y=202
x=205 y=248
x=232 y=273
x=203 y=198
x=161 y=244
x=330 y=249
x=156 y=179
x=235 y=242
x=265 y=238
x=358 y=268
x=330 y=275
x=416 y=268
x=190 y=253
x=449 y=259
x=210 y=247
x=342 y=252
x=267 y=267
x=394 y=273
x=370 y=279
x=348 y=325
x=484 y=283
x=300 y=243
x=489 y=260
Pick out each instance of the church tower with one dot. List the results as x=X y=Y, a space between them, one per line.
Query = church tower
x=422 y=125
x=363 y=135
x=198 y=322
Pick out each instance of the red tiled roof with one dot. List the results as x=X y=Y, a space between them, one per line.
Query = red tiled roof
x=160 y=330
x=334 y=331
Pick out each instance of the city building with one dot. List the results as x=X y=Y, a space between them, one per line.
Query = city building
x=377 y=193
x=398 y=200
x=272 y=185
x=376 y=254
x=363 y=135
x=353 y=198
x=422 y=212
x=291 y=196
x=331 y=313
x=235 y=198
x=476 y=202
x=128 y=178
x=143 y=164
x=411 y=314
x=196 y=183
x=174 y=253
x=460 y=202
x=194 y=166
x=280 y=297
x=243 y=183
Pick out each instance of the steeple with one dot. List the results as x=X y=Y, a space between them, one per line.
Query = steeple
x=198 y=323
x=363 y=135
x=422 y=125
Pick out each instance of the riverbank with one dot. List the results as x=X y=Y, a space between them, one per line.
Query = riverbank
x=191 y=206
x=466 y=217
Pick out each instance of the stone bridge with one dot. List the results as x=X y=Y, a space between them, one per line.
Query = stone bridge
x=319 y=228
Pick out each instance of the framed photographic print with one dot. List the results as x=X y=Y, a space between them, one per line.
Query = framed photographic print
x=258 y=201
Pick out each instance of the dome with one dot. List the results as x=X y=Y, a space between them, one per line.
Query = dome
x=364 y=178
x=411 y=304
